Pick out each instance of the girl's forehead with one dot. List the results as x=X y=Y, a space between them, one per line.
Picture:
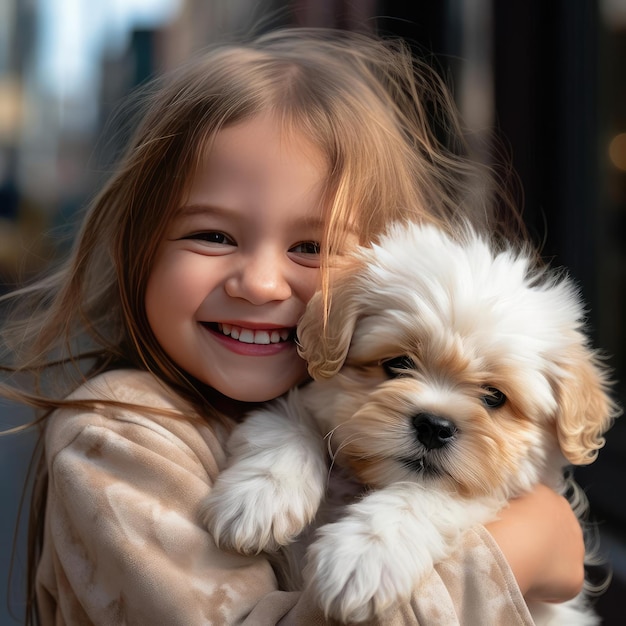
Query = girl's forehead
x=259 y=152
x=253 y=166
x=276 y=137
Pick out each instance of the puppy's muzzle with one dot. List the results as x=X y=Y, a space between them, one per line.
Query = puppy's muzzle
x=433 y=431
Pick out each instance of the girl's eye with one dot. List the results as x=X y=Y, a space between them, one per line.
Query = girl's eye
x=398 y=366
x=494 y=398
x=212 y=237
x=306 y=247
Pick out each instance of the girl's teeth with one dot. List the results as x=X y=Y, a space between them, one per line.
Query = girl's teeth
x=246 y=335
x=262 y=336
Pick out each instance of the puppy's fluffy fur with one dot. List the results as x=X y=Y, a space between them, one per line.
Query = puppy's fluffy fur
x=450 y=377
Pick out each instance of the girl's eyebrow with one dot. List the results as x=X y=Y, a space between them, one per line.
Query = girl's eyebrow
x=189 y=210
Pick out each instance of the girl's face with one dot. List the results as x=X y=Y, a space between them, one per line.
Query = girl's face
x=240 y=261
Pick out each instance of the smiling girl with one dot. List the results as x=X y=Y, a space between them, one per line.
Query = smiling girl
x=175 y=314
x=240 y=261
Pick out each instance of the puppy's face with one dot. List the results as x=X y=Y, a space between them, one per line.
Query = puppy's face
x=451 y=364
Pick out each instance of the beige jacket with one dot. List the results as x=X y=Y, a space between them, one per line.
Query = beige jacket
x=123 y=544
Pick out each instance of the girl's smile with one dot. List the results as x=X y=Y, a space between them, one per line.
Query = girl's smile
x=240 y=261
x=257 y=341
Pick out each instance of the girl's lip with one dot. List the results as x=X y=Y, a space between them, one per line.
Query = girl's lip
x=252 y=325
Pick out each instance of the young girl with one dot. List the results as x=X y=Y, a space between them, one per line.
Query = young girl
x=175 y=315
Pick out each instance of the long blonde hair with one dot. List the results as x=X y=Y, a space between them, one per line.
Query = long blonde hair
x=389 y=130
x=370 y=106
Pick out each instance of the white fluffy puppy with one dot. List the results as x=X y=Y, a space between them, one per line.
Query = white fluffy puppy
x=450 y=377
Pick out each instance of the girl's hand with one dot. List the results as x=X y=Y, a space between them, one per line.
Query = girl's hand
x=543 y=542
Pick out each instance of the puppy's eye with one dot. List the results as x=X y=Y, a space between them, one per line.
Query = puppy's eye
x=494 y=398
x=398 y=366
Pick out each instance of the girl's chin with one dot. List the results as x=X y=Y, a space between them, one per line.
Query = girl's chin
x=254 y=393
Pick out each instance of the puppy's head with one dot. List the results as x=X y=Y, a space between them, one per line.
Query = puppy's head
x=451 y=362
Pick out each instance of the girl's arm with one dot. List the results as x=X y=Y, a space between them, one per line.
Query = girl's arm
x=123 y=538
x=124 y=541
x=543 y=543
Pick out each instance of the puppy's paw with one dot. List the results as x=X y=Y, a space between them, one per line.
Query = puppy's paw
x=373 y=558
x=274 y=485
x=251 y=512
x=357 y=575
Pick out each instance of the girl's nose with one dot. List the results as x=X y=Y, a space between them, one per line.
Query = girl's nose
x=259 y=278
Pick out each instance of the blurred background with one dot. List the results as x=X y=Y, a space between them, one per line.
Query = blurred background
x=548 y=75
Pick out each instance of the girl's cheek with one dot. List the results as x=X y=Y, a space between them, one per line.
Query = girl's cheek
x=312 y=287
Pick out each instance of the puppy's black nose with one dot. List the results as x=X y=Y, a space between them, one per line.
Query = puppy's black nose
x=433 y=431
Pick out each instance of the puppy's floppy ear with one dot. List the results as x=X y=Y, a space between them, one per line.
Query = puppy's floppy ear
x=586 y=410
x=324 y=340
